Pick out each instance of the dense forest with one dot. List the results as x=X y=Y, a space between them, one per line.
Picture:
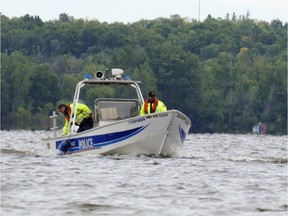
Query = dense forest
x=225 y=74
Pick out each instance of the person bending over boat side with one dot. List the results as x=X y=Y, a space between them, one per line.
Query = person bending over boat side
x=83 y=117
x=152 y=105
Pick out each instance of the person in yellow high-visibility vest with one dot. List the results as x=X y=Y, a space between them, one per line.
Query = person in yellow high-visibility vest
x=83 y=117
x=152 y=105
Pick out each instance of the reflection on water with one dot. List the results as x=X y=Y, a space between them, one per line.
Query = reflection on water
x=213 y=174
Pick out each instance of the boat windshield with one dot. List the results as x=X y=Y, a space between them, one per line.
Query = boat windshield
x=107 y=109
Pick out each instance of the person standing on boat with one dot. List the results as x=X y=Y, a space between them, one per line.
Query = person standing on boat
x=83 y=117
x=152 y=105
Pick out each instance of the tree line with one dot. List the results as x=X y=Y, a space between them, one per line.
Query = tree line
x=226 y=74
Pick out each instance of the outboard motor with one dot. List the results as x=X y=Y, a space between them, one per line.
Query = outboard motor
x=63 y=147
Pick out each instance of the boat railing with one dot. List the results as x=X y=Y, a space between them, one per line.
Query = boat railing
x=54 y=122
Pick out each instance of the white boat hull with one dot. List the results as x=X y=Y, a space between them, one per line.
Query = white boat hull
x=155 y=134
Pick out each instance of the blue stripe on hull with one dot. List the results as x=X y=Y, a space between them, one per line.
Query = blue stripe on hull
x=182 y=134
x=98 y=141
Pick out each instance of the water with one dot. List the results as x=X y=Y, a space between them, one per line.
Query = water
x=217 y=174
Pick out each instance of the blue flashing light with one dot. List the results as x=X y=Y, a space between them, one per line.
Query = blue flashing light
x=87 y=76
x=126 y=77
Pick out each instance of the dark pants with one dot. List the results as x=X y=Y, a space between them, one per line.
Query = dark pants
x=86 y=124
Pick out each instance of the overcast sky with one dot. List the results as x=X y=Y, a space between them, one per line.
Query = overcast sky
x=134 y=10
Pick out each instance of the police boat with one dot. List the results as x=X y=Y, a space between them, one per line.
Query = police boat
x=118 y=128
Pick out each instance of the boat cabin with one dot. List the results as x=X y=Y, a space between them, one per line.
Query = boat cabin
x=125 y=102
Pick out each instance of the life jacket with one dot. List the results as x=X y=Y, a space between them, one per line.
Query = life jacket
x=153 y=108
x=67 y=117
x=81 y=113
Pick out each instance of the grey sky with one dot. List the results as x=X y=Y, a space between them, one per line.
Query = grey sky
x=135 y=10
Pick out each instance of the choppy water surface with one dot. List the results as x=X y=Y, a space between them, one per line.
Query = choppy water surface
x=216 y=174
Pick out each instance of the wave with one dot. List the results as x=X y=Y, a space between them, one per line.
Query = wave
x=276 y=160
x=17 y=152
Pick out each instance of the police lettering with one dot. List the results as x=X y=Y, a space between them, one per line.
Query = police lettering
x=86 y=143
